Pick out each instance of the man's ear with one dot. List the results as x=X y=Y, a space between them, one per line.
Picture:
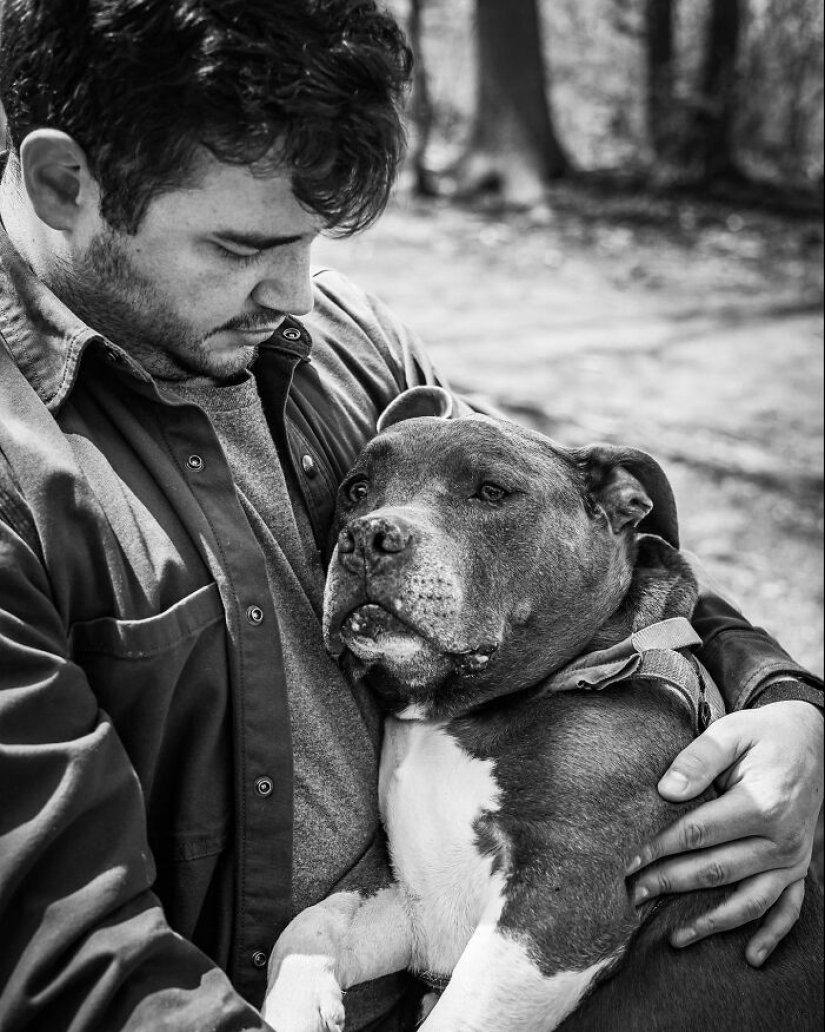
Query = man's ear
x=57 y=178
x=631 y=489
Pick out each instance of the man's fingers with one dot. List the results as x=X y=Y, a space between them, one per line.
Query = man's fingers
x=706 y=869
x=700 y=764
x=754 y=897
x=721 y=820
x=779 y=920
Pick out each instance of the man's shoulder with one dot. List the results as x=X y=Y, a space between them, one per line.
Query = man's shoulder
x=349 y=320
x=340 y=303
x=335 y=290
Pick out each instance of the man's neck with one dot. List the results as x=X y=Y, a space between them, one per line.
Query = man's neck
x=31 y=238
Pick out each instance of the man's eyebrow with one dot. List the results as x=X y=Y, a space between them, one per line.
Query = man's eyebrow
x=257 y=241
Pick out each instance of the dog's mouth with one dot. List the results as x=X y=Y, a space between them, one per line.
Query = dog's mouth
x=372 y=633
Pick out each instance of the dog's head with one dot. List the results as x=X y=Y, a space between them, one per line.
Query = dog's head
x=475 y=557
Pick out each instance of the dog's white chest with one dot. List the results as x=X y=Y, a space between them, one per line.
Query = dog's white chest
x=432 y=794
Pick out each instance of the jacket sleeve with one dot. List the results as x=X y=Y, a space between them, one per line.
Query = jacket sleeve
x=85 y=942
x=748 y=665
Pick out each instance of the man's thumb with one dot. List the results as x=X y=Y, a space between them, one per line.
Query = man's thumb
x=697 y=767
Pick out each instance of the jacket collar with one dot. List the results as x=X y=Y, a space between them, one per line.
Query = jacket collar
x=47 y=340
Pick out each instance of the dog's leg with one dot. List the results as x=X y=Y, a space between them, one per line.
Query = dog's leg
x=496 y=980
x=344 y=941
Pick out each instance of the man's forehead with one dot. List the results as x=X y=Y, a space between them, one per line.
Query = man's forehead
x=253 y=205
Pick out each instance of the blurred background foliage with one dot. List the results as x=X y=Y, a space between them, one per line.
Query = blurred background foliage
x=681 y=92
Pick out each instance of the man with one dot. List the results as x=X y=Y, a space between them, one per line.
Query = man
x=182 y=767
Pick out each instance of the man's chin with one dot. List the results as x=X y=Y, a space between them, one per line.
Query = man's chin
x=213 y=362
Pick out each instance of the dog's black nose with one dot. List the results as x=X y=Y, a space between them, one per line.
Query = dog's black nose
x=373 y=540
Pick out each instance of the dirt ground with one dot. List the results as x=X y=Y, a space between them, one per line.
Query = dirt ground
x=693 y=330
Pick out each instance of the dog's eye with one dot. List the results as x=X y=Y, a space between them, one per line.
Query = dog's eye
x=492 y=493
x=357 y=491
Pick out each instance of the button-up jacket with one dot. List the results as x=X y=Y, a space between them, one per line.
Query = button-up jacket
x=145 y=756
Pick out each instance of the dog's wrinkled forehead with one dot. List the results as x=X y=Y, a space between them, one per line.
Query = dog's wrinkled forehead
x=433 y=447
x=628 y=485
x=450 y=461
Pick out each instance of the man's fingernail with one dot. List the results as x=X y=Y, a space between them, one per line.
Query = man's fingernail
x=634 y=865
x=640 y=894
x=684 y=937
x=674 y=781
x=761 y=955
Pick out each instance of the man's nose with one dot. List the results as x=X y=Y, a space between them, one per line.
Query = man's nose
x=374 y=542
x=287 y=286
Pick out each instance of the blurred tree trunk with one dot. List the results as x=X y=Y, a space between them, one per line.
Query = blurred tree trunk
x=712 y=147
x=421 y=108
x=513 y=148
x=662 y=116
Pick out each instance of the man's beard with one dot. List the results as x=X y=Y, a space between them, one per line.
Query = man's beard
x=104 y=289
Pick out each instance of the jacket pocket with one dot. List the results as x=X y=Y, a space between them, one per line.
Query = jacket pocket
x=163 y=682
x=142 y=639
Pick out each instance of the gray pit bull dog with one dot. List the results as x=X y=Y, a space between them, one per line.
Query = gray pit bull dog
x=483 y=581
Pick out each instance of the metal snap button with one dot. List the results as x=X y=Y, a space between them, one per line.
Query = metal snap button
x=264 y=787
x=309 y=466
x=195 y=463
x=291 y=334
x=259 y=959
x=255 y=615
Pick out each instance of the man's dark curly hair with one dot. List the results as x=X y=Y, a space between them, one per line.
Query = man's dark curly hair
x=142 y=85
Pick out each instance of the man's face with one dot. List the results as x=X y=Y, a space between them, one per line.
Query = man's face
x=211 y=273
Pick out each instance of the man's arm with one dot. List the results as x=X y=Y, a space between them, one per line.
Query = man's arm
x=750 y=667
x=85 y=942
x=766 y=758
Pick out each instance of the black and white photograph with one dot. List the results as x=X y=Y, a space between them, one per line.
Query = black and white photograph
x=411 y=515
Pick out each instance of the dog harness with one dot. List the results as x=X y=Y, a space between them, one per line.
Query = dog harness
x=659 y=653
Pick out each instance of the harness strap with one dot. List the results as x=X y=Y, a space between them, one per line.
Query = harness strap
x=657 y=653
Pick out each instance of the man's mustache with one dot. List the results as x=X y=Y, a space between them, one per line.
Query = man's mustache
x=252 y=323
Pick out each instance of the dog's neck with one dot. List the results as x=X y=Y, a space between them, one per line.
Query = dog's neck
x=663 y=587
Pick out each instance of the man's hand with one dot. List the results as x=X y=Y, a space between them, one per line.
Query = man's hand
x=768 y=766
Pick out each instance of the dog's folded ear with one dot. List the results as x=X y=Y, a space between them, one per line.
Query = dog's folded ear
x=631 y=489
x=416 y=402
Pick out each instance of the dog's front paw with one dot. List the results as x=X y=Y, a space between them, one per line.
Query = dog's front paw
x=305 y=997
x=330 y=1007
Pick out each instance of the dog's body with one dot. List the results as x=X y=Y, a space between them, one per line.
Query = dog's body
x=474 y=561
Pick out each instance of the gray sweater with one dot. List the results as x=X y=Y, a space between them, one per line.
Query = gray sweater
x=335 y=729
